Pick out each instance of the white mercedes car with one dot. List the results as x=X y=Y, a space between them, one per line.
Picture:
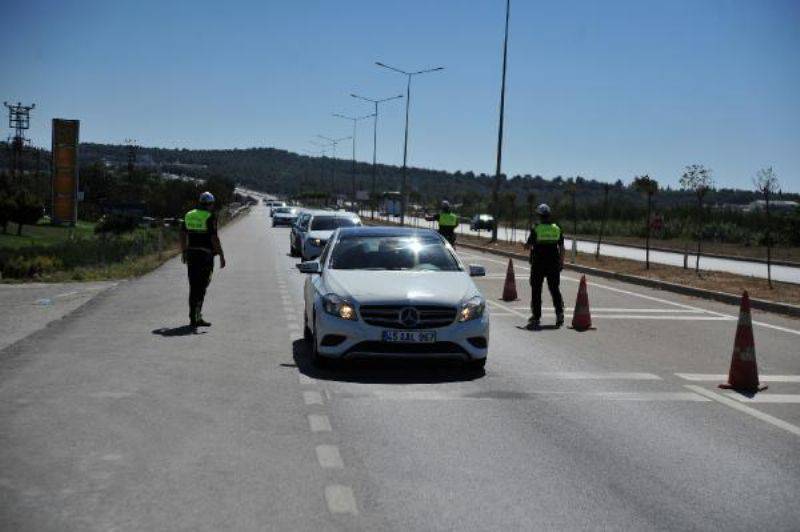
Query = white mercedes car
x=393 y=291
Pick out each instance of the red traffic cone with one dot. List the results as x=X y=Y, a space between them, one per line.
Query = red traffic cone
x=582 y=318
x=510 y=286
x=743 y=375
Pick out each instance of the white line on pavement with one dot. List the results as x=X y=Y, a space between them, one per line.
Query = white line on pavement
x=581 y=375
x=305 y=380
x=772 y=420
x=319 y=423
x=720 y=377
x=632 y=310
x=312 y=397
x=433 y=395
x=328 y=457
x=766 y=397
x=340 y=500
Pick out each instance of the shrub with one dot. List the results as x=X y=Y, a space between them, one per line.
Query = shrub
x=25 y=267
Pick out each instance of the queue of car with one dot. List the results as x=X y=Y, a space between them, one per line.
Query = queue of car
x=385 y=292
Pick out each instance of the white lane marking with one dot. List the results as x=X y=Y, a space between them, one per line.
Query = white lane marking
x=305 y=380
x=772 y=420
x=506 y=308
x=66 y=294
x=632 y=310
x=312 y=397
x=319 y=423
x=340 y=499
x=766 y=397
x=585 y=375
x=432 y=395
x=721 y=377
x=328 y=457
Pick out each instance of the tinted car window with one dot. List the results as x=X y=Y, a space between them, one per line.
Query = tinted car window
x=392 y=253
x=329 y=223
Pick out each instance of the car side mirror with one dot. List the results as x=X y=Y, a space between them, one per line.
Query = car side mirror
x=477 y=271
x=311 y=266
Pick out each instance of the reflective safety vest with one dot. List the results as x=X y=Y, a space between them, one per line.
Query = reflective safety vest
x=547 y=233
x=196 y=220
x=448 y=219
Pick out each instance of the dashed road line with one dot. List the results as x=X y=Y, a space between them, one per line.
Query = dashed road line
x=736 y=405
x=585 y=375
x=329 y=457
x=340 y=499
x=312 y=397
x=432 y=395
x=720 y=377
x=781 y=398
x=319 y=423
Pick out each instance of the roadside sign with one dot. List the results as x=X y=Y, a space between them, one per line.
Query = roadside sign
x=65 y=171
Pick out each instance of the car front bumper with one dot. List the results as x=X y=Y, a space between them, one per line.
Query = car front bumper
x=356 y=339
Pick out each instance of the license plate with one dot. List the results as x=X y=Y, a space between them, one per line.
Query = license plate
x=410 y=337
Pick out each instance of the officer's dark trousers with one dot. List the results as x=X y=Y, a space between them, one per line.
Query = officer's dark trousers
x=553 y=276
x=449 y=234
x=200 y=265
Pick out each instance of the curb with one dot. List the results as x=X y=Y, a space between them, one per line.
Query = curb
x=723 y=297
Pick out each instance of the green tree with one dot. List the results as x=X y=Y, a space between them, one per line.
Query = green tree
x=766 y=182
x=648 y=186
x=697 y=178
x=7 y=206
x=27 y=210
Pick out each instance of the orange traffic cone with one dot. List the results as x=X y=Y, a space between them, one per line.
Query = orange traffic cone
x=510 y=286
x=743 y=375
x=582 y=318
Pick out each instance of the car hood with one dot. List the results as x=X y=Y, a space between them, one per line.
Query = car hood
x=401 y=287
x=322 y=235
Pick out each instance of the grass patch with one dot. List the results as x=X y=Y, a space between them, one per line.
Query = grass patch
x=44 y=235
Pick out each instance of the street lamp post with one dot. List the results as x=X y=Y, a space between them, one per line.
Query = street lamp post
x=373 y=198
x=408 y=75
x=334 y=143
x=497 y=174
x=355 y=120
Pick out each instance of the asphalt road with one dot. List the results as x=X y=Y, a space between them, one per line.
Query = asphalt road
x=787 y=274
x=116 y=417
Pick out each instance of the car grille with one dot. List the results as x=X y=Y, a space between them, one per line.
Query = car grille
x=430 y=316
x=385 y=348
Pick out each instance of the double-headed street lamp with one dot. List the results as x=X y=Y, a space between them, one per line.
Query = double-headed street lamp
x=355 y=120
x=373 y=198
x=334 y=143
x=408 y=75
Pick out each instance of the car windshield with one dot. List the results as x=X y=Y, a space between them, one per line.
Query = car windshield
x=392 y=253
x=285 y=210
x=329 y=223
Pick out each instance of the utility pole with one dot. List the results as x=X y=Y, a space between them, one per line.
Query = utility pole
x=355 y=120
x=19 y=119
x=373 y=196
x=334 y=143
x=131 y=156
x=403 y=186
x=497 y=173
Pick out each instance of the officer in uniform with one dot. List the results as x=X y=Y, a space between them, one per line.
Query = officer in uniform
x=448 y=222
x=546 y=243
x=199 y=244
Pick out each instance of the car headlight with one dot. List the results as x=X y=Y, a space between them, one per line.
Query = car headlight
x=339 y=307
x=472 y=309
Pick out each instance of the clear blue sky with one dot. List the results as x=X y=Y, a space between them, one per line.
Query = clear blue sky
x=603 y=89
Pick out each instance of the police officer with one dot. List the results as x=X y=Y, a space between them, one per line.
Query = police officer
x=199 y=244
x=546 y=243
x=448 y=222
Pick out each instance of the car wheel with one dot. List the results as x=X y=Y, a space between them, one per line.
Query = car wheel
x=308 y=336
x=292 y=251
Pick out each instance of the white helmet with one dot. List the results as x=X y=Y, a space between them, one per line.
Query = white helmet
x=206 y=198
x=445 y=204
x=543 y=209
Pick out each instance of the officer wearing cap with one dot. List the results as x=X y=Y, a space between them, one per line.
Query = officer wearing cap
x=546 y=243
x=199 y=244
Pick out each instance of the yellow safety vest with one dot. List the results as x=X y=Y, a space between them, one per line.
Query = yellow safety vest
x=196 y=220
x=547 y=233
x=448 y=219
